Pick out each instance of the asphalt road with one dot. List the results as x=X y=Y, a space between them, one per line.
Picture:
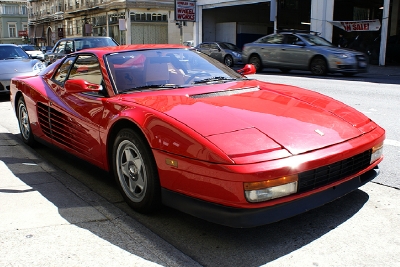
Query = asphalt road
x=360 y=229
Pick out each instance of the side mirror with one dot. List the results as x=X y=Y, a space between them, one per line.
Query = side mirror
x=247 y=69
x=81 y=86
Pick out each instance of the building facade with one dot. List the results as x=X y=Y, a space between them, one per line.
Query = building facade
x=128 y=22
x=13 y=22
x=243 y=21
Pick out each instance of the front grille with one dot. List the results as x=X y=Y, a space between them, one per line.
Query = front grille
x=361 y=58
x=334 y=172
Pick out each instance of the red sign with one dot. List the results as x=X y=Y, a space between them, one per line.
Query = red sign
x=22 y=33
x=185 y=10
x=361 y=25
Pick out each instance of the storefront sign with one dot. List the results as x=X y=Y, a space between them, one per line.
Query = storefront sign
x=22 y=33
x=360 y=25
x=185 y=10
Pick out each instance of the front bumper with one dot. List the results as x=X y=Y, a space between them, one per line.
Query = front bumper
x=244 y=218
x=359 y=64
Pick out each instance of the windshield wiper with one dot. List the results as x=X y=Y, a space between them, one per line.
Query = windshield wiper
x=215 y=79
x=152 y=86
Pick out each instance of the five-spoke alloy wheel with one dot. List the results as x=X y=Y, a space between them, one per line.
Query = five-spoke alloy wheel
x=135 y=171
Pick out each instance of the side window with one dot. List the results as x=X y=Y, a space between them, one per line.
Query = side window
x=63 y=70
x=291 y=39
x=60 y=48
x=87 y=68
x=275 y=39
x=214 y=46
x=69 y=47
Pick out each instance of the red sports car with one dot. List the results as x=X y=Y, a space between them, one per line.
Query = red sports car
x=176 y=127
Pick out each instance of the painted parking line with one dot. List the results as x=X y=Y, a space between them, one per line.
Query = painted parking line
x=392 y=142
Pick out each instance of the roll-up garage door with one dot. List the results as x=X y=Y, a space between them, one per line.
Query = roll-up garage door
x=149 y=33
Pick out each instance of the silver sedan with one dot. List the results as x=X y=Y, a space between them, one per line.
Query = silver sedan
x=303 y=51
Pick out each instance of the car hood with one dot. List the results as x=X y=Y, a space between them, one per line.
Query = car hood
x=16 y=66
x=285 y=117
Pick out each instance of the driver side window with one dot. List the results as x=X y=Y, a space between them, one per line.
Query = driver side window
x=86 y=67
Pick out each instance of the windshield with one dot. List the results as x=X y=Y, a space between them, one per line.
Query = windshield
x=316 y=40
x=29 y=48
x=229 y=46
x=165 y=69
x=12 y=52
x=93 y=42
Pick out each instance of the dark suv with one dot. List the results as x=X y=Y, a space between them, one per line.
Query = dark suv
x=68 y=45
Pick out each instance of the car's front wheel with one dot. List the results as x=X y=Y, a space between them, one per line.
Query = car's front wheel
x=135 y=171
x=256 y=61
x=318 y=66
x=228 y=60
x=24 y=123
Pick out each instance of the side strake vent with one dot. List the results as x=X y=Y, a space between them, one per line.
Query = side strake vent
x=227 y=93
x=58 y=127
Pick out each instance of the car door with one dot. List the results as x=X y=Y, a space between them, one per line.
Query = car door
x=216 y=52
x=294 y=53
x=269 y=49
x=75 y=117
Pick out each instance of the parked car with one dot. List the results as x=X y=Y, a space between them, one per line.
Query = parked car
x=178 y=128
x=227 y=53
x=14 y=61
x=303 y=51
x=68 y=45
x=33 y=51
x=45 y=49
x=189 y=43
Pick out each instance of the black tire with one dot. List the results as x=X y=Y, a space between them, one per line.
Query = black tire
x=256 y=61
x=285 y=70
x=318 y=66
x=135 y=171
x=24 y=123
x=228 y=60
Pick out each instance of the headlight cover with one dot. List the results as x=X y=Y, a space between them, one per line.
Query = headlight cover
x=38 y=67
x=236 y=54
x=377 y=152
x=342 y=56
x=270 y=189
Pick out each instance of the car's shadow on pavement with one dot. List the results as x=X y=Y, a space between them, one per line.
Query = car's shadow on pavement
x=208 y=244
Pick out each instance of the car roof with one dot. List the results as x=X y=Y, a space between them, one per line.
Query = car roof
x=85 y=37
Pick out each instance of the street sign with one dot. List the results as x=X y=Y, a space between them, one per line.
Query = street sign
x=185 y=10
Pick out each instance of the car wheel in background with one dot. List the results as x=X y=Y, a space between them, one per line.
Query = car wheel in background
x=135 y=171
x=255 y=60
x=228 y=60
x=24 y=123
x=318 y=66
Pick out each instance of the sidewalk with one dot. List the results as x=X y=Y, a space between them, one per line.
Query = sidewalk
x=384 y=70
x=48 y=218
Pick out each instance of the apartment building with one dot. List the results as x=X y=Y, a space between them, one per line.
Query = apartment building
x=13 y=22
x=128 y=22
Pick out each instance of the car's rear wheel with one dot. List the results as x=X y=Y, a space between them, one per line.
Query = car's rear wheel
x=256 y=61
x=135 y=171
x=318 y=66
x=228 y=60
x=24 y=123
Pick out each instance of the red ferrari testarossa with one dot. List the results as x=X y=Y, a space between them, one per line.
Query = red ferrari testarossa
x=178 y=128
